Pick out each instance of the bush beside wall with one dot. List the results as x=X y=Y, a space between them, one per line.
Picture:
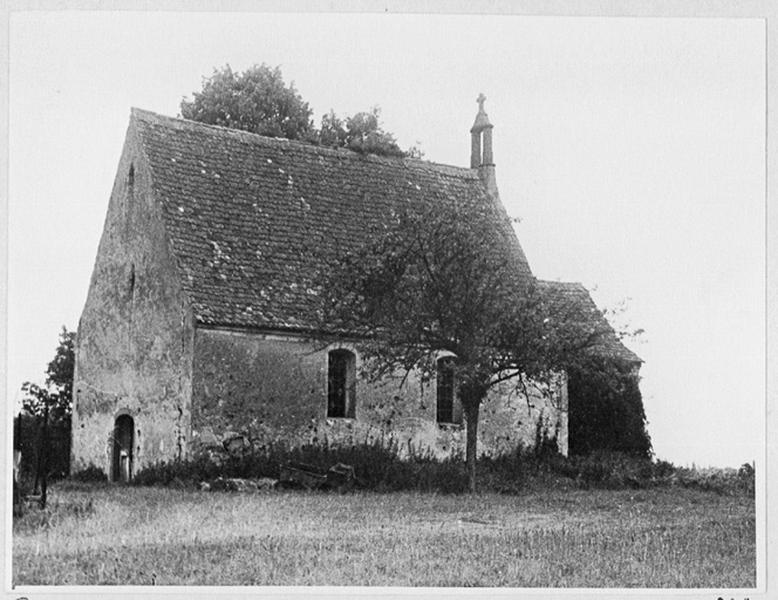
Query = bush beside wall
x=378 y=468
x=606 y=410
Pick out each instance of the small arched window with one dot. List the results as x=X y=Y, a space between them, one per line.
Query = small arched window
x=341 y=383
x=447 y=409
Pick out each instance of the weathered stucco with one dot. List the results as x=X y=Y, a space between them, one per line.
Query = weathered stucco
x=140 y=353
x=133 y=352
x=273 y=389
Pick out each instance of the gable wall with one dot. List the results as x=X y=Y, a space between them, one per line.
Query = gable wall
x=273 y=389
x=133 y=352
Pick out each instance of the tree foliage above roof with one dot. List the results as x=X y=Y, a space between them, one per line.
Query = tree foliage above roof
x=256 y=100
x=259 y=101
x=361 y=132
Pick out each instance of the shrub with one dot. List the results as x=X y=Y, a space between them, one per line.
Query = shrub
x=721 y=481
x=90 y=474
x=663 y=469
x=614 y=470
x=196 y=469
x=508 y=473
x=377 y=466
x=28 y=439
x=606 y=410
x=747 y=478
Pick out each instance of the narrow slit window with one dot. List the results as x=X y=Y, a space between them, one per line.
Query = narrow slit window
x=132 y=281
x=128 y=201
x=341 y=384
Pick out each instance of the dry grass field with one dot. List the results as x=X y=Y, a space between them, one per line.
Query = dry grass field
x=662 y=537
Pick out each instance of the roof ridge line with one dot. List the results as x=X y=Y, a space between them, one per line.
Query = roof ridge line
x=182 y=124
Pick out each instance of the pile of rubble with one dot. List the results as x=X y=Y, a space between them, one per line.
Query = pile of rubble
x=338 y=477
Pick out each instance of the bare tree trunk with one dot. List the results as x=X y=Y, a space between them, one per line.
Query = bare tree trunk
x=471 y=413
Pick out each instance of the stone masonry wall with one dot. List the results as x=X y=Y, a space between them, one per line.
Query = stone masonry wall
x=133 y=352
x=273 y=389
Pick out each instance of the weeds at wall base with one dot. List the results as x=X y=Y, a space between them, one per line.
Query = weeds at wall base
x=377 y=467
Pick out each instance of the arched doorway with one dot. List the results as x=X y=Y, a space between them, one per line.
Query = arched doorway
x=123 y=440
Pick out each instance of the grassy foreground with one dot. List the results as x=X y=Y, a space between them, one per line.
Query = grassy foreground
x=662 y=537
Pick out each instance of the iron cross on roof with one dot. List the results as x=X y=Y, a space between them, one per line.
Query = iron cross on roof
x=481 y=99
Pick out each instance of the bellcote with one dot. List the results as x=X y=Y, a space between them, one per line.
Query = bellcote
x=481 y=156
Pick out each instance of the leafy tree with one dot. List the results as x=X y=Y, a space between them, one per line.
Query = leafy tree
x=361 y=132
x=51 y=406
x=256 y=100
x=57 y=394
x=446 y=278
x=259 y=101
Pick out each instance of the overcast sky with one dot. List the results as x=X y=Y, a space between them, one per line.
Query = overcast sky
x=631 y=149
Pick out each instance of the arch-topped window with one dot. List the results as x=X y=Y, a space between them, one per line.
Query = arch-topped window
x=447 y=409
x=341 y=383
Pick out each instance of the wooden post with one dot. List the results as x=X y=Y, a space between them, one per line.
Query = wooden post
x=45 y=454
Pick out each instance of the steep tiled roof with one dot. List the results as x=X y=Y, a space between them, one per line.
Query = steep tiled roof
x=573 y=299
x=239 y=207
